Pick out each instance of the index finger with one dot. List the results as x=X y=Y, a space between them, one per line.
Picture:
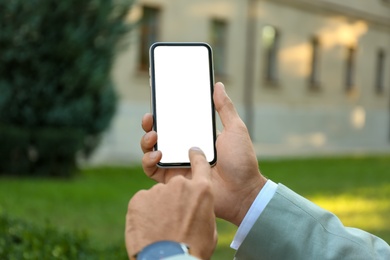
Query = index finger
x=201 y=169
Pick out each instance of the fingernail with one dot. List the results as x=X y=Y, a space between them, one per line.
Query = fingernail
x=196 y=149
x=222 y=85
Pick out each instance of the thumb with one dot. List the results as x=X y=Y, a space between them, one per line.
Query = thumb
x=201 y=169
x=224 y=106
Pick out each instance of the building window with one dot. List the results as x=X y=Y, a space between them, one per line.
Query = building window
x=149 y=33
x=380 y=72
x=314 y=76
x=350 y=68
x=270 y=41
x=218 y=41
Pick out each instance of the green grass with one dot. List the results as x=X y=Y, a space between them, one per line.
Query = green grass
x=357 y=189
x=96 y=201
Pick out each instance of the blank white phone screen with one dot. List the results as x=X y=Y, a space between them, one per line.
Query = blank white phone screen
x=183 y=102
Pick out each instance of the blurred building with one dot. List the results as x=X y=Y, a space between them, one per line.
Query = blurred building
x=308 y=76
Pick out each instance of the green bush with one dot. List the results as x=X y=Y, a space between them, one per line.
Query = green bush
x=65 y=142
x=55 y=63
x=43 y=151
x=14 y=144
x=22 y=240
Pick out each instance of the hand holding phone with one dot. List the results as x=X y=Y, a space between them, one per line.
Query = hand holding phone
x=182 y=85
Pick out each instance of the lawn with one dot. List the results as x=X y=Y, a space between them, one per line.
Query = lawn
x=357 y=189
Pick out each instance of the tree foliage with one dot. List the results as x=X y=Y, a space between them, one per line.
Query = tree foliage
x=55 y=63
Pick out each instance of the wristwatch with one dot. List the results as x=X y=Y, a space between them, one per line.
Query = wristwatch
x=162 y=249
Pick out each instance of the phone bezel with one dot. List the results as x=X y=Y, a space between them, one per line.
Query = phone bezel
x=153 y=97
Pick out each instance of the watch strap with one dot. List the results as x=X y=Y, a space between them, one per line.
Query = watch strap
x=164 y=249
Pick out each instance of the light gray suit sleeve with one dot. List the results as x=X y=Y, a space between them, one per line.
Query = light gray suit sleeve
x=291 y=227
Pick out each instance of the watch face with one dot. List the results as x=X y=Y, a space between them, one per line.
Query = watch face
x=162 y=249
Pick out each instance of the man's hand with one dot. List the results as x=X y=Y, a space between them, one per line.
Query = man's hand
x=181 y=210
x=236 y=179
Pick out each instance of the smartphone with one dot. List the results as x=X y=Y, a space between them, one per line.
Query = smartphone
x=182 y=85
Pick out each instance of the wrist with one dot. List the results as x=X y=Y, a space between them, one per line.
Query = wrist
x=247 y=200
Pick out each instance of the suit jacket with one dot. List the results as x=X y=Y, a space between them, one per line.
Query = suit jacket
x=291 y=227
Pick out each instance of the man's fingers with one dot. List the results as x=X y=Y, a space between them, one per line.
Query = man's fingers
x=224 y=106
x=150 y=138
x=147 y=122
x=200 y=167
x=149 y=161
x=148 y=141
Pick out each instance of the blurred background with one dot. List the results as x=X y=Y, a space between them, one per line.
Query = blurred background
x=311 y=80
x=308 y=77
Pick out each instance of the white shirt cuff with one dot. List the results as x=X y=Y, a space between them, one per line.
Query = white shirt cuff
x=257 y=207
